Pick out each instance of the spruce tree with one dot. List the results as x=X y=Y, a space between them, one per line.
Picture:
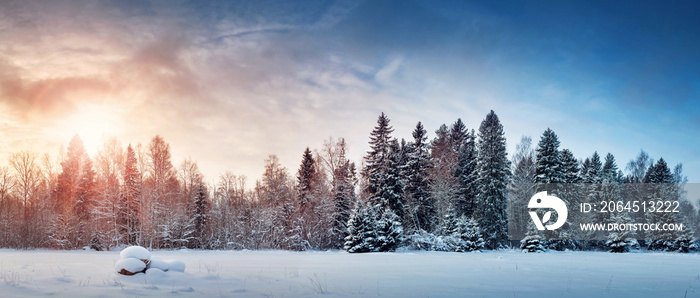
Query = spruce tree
x=200 y=217
x=570 y=167
x=467 y=232
x=383 y=171
x=458 y=135
x=591 y=175
x=573 y=194
x=585 y=166
x=593 y=172
x=305 y=177
x=419 y=204
x=607 y=190
x=533 y=241
x=131 y=196
x=685 y=241
x=362 y=230
x=493 y=174
x=610 y=170
x=549 y=163
x=390 y=191
x=660 y=186
x=389 y=231
x=550 y=170
x=466 y=174
x=343 y=198
x=376 y=159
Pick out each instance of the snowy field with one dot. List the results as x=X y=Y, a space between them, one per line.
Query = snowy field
x=339 y=274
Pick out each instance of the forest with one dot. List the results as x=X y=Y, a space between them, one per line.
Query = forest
x=456 y=192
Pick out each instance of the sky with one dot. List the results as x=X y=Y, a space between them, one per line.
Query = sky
x=228 y=83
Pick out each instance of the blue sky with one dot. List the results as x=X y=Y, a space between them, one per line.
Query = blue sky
x=229 y=82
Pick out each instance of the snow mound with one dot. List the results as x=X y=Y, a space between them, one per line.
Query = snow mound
x=129 y=266
x=155 y=272
x=136 y=252
x=176 y=265
x=167 y=265
x=159 y=264
x=136 y=259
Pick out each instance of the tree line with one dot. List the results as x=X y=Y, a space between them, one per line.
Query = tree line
x=450 y=193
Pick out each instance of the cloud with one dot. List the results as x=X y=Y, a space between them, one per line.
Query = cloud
x=388 y=71
x=47 y=96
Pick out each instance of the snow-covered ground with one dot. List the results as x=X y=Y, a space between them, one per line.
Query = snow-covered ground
x=339 y=274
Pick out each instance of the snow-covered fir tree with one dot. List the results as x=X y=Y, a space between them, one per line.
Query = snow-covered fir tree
x=549 y=163
x=458 y=135
x=376 y=160
x=685 y=241
x=493 y=176
x=608 y=189
x=298 y=233
x=384 y=192
x=570 y=167
x=362 y=230
x=533 y=241
x=621 y=241
x=660 y=182
x=573 y=192
x=389 y=231
x=467 y=232
x=466 y=174
x=200 y=217
x=131 y=196
x=391 y=185
x=305 y=177
x=549 y=175
x=611 y=173
x=660 y=185
x=343 y=198
x=420 y=208
x=592 y=168
x=591 y=176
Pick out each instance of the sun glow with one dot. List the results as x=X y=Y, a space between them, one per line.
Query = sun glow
x=94 y=123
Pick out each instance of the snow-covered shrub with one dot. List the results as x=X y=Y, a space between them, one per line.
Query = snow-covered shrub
x=422 y=240
x=564 y=242
x=685 y=242
x=532 y=243
x=662 y=245
x=620 y=242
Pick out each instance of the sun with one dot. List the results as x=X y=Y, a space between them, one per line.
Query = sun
x=94 y=123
